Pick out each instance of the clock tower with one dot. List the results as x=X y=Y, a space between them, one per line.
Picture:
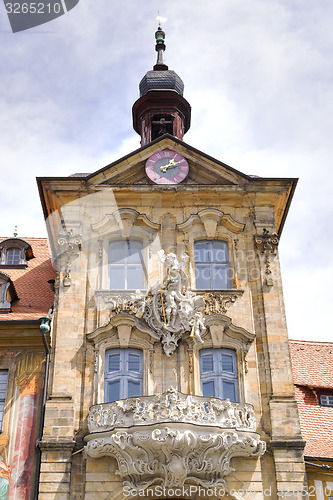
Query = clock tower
x=161 y=107
x=170 y=367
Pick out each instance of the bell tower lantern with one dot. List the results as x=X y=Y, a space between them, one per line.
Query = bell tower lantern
x=161 y=108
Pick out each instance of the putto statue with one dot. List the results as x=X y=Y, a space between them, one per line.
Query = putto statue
x=171 y=308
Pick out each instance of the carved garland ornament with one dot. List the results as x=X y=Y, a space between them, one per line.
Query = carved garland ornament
x=267 y=244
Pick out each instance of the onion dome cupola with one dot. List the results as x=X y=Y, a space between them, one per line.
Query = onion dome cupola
x=161 y=108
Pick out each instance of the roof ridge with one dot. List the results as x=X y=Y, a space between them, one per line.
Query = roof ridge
x=24 y=238
x=310 y=342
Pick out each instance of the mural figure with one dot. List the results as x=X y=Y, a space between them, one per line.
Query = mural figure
x=5 y=471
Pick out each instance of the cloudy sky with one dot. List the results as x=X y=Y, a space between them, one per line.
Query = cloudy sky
x=258 y=75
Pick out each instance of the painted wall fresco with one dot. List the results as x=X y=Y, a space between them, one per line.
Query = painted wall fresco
x=20 y=422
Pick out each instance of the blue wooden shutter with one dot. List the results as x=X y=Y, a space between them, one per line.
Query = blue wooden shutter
x=134 y=373
x=123 y=374
x=218 y=373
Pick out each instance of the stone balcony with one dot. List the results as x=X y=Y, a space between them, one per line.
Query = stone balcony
x=172 y=438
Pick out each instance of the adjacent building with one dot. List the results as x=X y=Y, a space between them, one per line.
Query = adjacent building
x=25 y=296
x=312 y=364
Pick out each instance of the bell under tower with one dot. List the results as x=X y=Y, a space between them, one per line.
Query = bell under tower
x=161 y=108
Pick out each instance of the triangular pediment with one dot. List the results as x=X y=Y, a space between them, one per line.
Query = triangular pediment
x=203 y=169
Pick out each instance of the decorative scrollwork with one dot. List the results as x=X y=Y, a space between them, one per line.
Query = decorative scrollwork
x=218 y=302
x=118 y=301
x=196 y=441
x=69 y=242
x=69 y=247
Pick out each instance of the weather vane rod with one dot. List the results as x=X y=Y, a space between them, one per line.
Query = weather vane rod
x=160 y=19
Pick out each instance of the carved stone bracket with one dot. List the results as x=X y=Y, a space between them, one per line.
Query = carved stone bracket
x=266 y=244
x=171 y=438
x=69 y=246
x=172 y=454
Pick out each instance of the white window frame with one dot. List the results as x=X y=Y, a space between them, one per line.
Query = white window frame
x=211 y=264
x=127 y=266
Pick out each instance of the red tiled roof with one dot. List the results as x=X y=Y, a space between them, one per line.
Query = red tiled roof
x=31 y=284
x=316 y=424
x=312 y=363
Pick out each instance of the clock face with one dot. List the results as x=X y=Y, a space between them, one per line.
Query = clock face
x=167 y=167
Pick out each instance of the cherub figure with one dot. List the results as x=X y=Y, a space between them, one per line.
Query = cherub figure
x=171 y=308
x=198 y=327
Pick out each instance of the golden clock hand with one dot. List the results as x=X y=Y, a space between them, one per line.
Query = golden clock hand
x=172 y=163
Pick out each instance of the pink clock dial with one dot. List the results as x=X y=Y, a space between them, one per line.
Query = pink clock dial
x=167 y=167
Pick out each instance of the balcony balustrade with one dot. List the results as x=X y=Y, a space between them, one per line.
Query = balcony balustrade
x=173 y=438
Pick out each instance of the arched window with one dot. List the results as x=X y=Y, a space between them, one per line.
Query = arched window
x=123 y=374
x=218 y=373
x=211 y=265
x=125 y=265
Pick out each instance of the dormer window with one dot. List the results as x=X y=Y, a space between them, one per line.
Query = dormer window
x=13 y=256
x=7 y=293
x=326 y=400
x=15 y=252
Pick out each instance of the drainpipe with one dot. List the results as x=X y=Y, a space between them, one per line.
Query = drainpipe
x=320 y=466
x=44 y=328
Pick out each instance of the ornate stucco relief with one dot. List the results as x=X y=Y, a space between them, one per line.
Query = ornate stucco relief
x=69 y=246
x=171 y=308
x=171 y=438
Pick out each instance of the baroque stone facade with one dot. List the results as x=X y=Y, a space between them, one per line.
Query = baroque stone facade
x=209 y=352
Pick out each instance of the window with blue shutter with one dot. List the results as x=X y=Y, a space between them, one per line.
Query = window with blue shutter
x=123 y=374
x=125 y=265
x=218 y=373
x=3 y=390
x=211 y=265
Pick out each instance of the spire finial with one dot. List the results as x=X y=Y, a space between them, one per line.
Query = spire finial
x=15 y=232
x=160 y=45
